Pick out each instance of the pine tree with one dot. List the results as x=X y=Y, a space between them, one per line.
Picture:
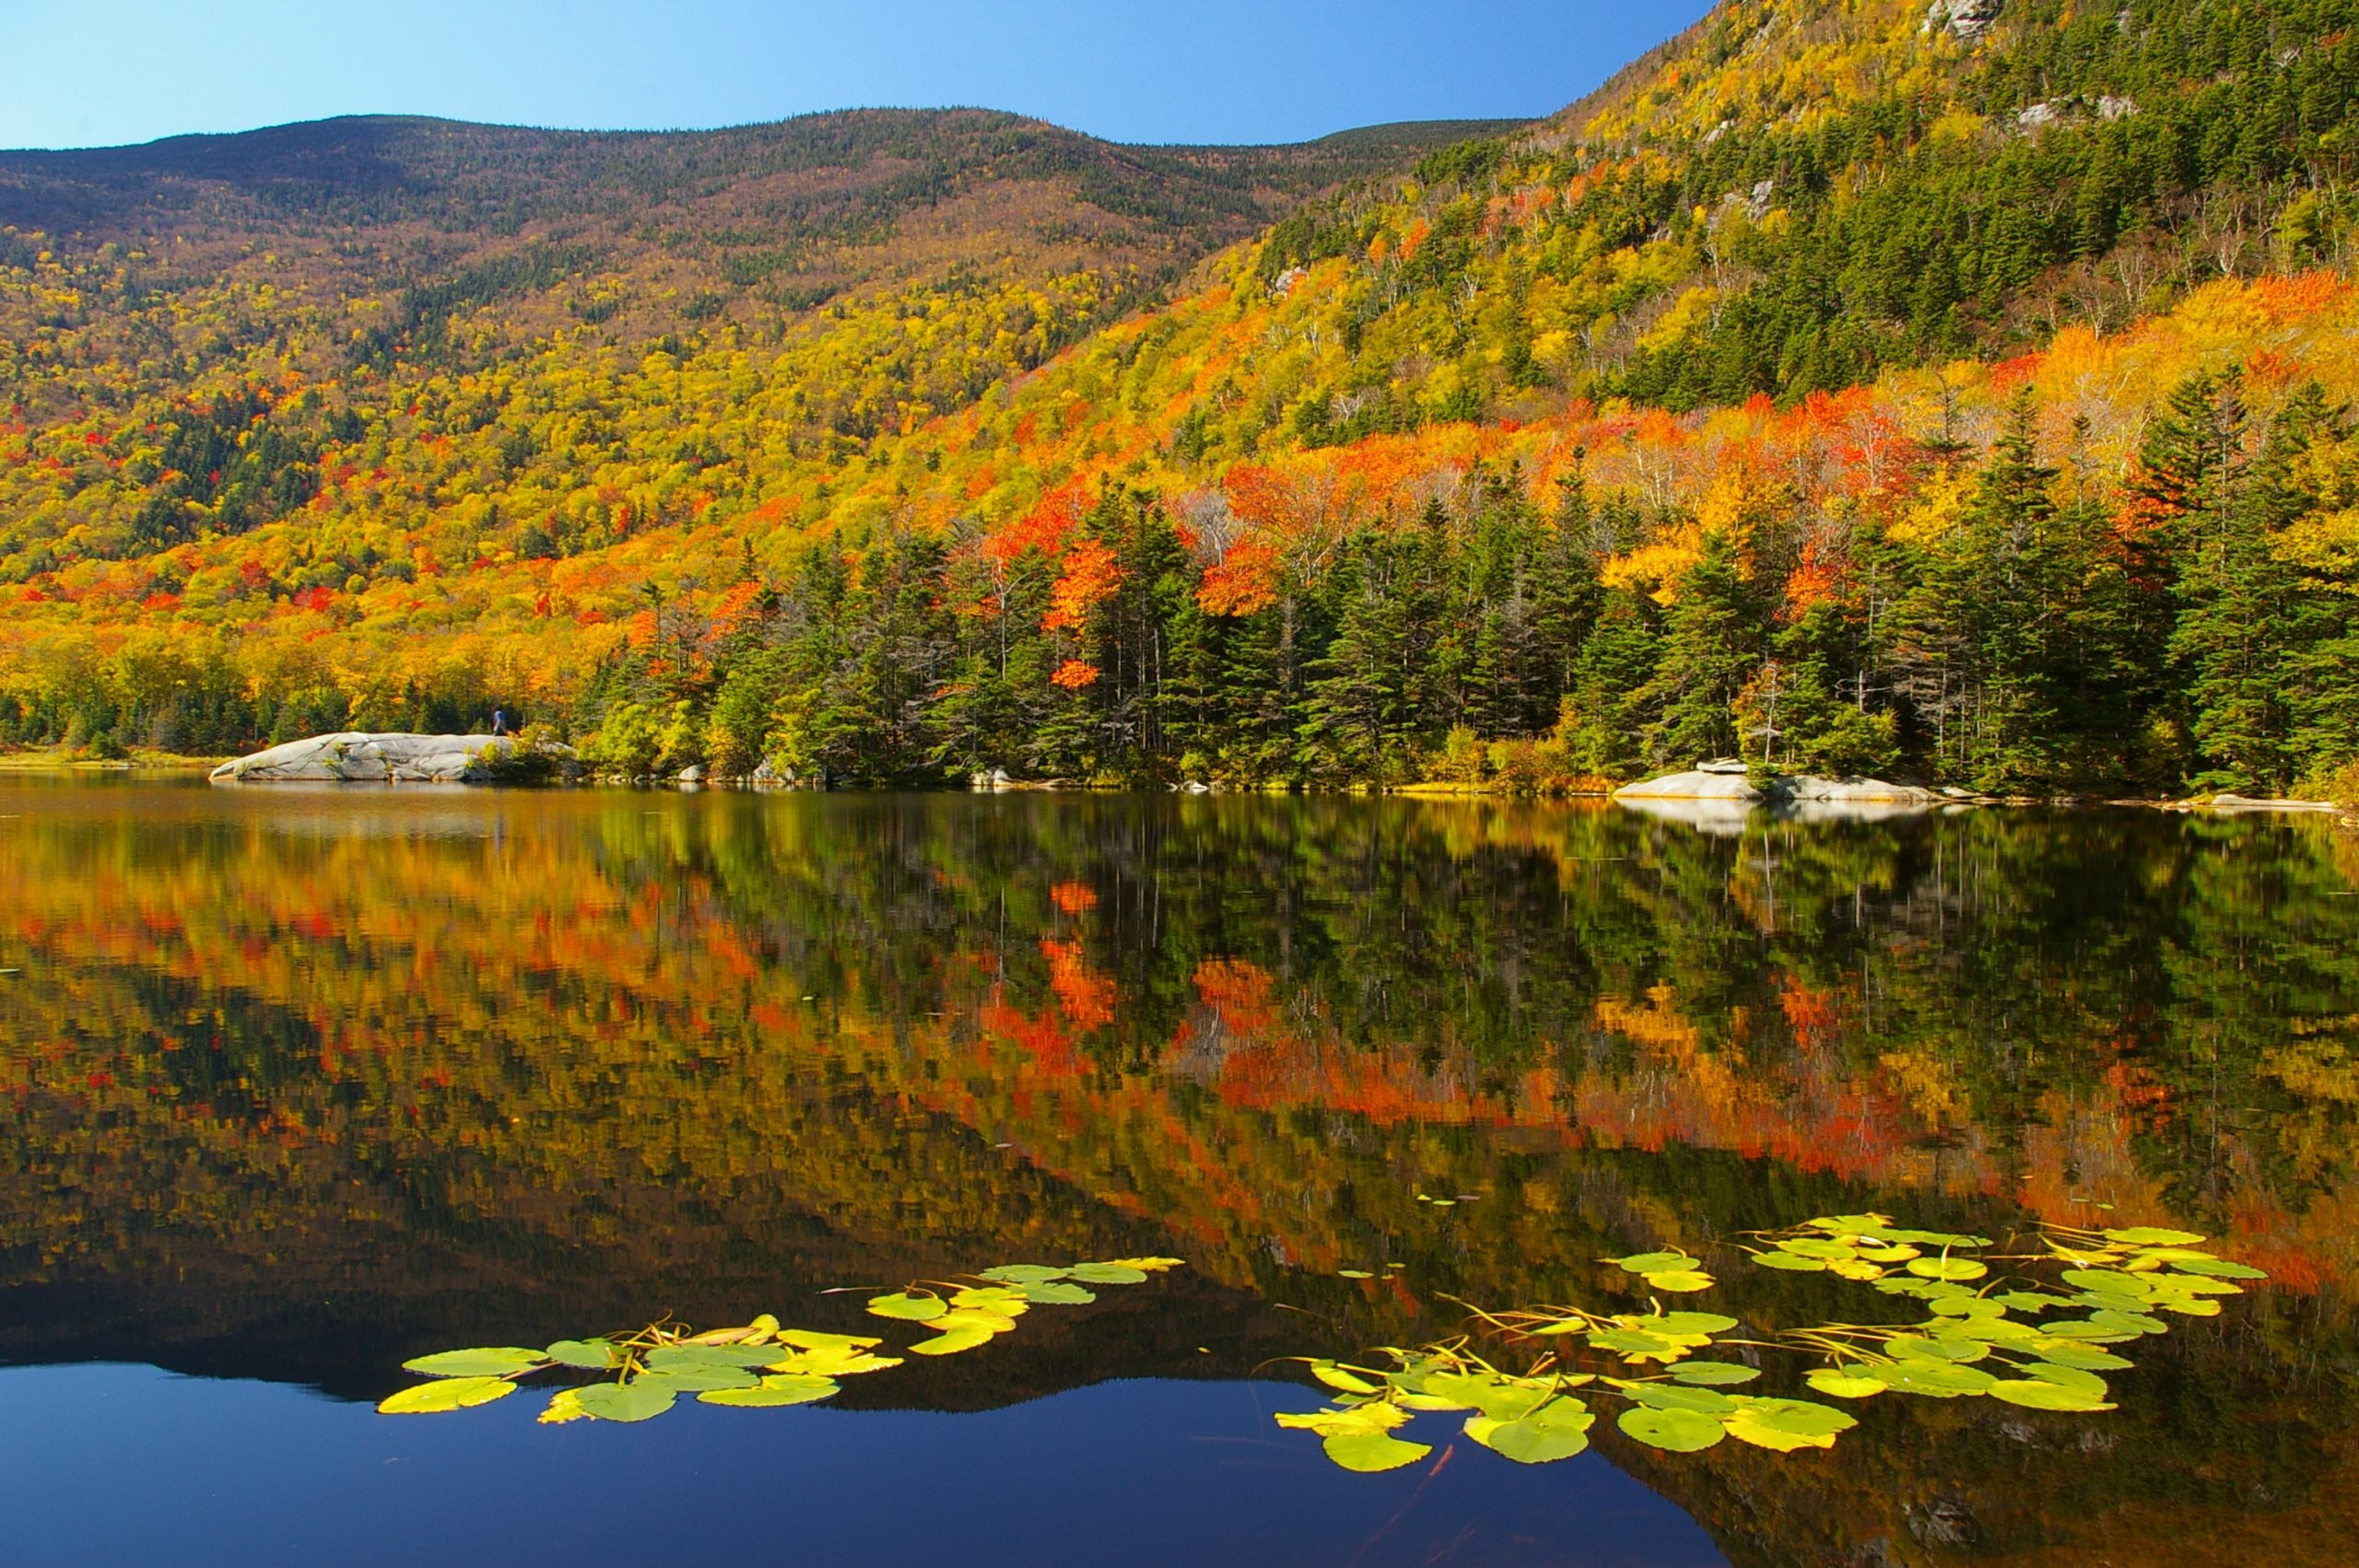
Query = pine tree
x=1711 y=642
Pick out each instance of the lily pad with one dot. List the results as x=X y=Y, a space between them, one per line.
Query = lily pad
x=1024 y=1274
x=2067 y=1378
x=1107 y=1274
x=2219 y=1268
x=446 y=1394
x=1342 y=1378
x=1722 y=1372
x=2040 y=1394
x=1680 y=1396
x=1679 y=1281
x=1679 y=1432
x=954 y=1341
x=2069 y=1353
x=593 y=1356
x=1845 y=1385
x=1790 y=1262
x=1953 y=1269
x=1936 y=1379
x=2150 y=1236
x=642 y=1398
x=497 y=1361
x=812 y=1339
x=682 y=1378
x=912 y=1305
x=1370 y=1452
x=1788 y=1424
x=1057 y=1294
x=1651 y=1262
x=681 y=1358
x=1557 y=1431
x=784 y=1389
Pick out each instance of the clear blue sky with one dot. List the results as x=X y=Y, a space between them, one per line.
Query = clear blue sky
x=89 y=73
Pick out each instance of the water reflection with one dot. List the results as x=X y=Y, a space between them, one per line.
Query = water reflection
x=303 y=1082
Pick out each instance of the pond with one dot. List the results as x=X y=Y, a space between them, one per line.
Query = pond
x=302 y=1084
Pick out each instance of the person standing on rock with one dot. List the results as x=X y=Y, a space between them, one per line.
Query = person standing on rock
x=499 y=722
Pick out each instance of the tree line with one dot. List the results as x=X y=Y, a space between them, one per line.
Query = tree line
x=2055 y=636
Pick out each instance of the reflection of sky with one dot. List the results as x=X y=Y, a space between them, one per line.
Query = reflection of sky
x=110 y=1465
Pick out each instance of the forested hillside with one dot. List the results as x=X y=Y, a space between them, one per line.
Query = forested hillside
x=1961 y=392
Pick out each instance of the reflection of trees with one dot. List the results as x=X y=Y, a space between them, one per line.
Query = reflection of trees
x=475 y=1061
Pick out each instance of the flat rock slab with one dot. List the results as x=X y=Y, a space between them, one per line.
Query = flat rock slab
x=1806 y=787
x=355 y=757
x=1693 y=785
x=2248 y=803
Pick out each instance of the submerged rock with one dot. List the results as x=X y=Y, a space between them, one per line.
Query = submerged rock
x=354 y=757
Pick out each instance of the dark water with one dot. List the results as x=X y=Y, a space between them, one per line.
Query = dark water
x=297 y=1085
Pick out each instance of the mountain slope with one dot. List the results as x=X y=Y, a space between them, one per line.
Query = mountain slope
x=1855 y=386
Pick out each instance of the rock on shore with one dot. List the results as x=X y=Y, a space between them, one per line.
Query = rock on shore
x=1725 y=783
x=356 y=757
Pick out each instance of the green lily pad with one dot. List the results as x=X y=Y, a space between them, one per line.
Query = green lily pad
x=1681 y=1396
x=2067 y=1376
x=2128 y=1322
x=1557 y=1431
x=1852 y=1224
x=1678 y=1432
x=640 y=1399
x=1935 y=1379
x=686 y=1379
x=812 y=1339
x=446 y=1394
x=1024 y=1274
x=1006 y=1299
x=1500 y=1398
x=2072 y=1352
x=1953 y=1269
x=2219 y=1268
x=594 y=1356
x=782 y=1389
x=1934 y=1238
x=1713 y=1372
x=1651 y=1262
x=2113 y=1281
x=1370 y=1452
x=912 y=1305
x=1946 y=1347
x=1788 y=1424
x=2040 y=1394
x=954 y=1341
x=1634 y=1342
x=1790 y=1262
x=1107 y=1274
x=1679 y=1281
x=2149 y=1235
x=1687 y=1323
x=497 y=1361
x=680 y=1358
x=1338 y=1377
x=1056 y=1294
x=1819 y=1247
x=1845 y=1385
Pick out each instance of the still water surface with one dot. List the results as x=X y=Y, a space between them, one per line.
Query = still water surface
x=295 y=1084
